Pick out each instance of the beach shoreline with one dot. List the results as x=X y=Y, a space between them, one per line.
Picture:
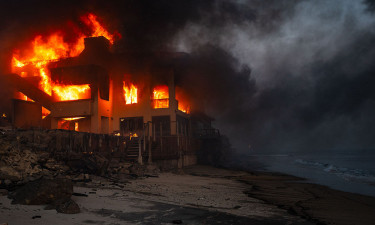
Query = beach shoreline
x=317 y=203
x=202 y=195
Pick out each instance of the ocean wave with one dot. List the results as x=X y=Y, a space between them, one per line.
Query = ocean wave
x=354 y=175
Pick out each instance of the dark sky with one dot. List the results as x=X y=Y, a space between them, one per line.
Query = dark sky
x=278 y=75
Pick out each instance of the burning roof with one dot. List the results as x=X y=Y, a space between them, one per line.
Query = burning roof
x=42 y=50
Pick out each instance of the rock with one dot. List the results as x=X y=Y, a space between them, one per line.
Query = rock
x=137 y=170
x=9 y=173
x=43 y=157
x=36 y=217
x=80 y=177
x=52 y=164
x=43 y=191
x=80 y=194
x=3 y=192
x=152 y=171
x=32 y=178
x=67 y=207
x=114 y=163
x=102 y=164
x=124 y=178
x=124 y=171
x=177 y=221
x=7 y=182
x=126 y=164
x=152 y=168
x=92 y=164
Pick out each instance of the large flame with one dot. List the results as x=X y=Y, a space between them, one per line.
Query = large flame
x=44 y=50
x=130 y=93
x=160 y=96
x=71 y=92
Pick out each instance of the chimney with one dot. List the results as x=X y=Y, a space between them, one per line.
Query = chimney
x=96 y=45
x=96 y=50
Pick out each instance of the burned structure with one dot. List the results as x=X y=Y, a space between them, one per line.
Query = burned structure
x=130 y=95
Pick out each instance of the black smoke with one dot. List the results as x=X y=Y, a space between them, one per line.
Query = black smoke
x=312 y=73
x=276 y=75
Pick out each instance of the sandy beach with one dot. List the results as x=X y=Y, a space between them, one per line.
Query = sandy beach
x=201 y=195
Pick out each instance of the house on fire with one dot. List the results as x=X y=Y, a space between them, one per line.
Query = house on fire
x=133 y=96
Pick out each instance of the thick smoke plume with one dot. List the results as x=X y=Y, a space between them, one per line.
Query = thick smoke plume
x=312 y=72
x=277 y=75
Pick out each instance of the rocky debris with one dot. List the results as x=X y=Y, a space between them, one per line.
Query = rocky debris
x=16 y=164
x=55 y=193
x=152 y=171
x=177 y=221
x=137 y=170
x=67 y=206
x=81 y=178
x=28 y=155
x=80 y=194
x=9 y=174
x=43 y=191
x=53 y=165
x=19 y=164
x=3 y=192
x=89 y=163
x=38 y=167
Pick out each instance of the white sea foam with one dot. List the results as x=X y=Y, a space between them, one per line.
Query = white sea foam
x=349 y=174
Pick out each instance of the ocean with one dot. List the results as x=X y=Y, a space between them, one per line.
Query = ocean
x=345 y=170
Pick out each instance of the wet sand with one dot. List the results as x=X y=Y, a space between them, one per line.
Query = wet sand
x=202 y=195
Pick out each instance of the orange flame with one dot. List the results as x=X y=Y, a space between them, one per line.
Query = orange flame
x=72 y=118
x=17 y=63
x=160 y=96
x=183 y=107
x=71 y=92
x=91 y=21
x=183 y=103
x=69 y=123
x=130 y=93
x=53 y=48
x=45 y=112
x=22 y=96
x=133 y=135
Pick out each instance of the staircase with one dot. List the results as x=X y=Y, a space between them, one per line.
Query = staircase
x=132 y=150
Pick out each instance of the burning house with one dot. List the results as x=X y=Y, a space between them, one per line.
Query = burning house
x=85 y=87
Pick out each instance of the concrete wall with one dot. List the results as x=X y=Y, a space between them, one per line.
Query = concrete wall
x=26 y=114
x=143 y=107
